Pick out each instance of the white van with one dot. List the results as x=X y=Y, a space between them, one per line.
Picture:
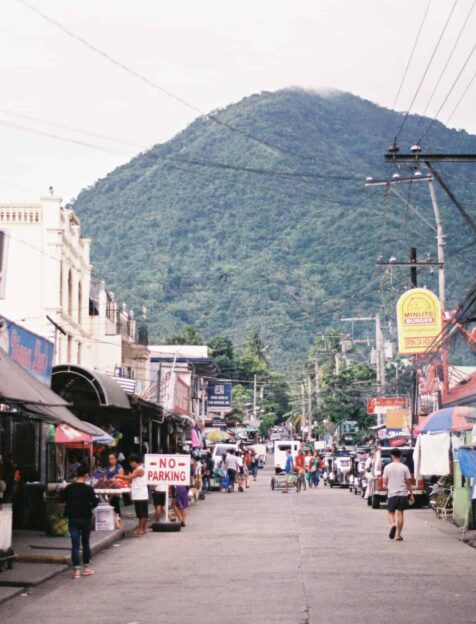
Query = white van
x=219 y=450
x=280 y=449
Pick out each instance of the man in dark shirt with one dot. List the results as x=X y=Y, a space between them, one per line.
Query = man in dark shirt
x=80 y=501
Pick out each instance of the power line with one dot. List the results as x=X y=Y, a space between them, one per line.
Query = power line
x=430 y=125
x=450 y=56
x=50 y=135
x=411 y=54
x=458 y=103
x=154 y=85
x=63 y=127
x=435 y=49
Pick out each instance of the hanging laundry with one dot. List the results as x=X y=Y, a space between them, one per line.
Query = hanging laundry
x=435 y=458
x=467 y=461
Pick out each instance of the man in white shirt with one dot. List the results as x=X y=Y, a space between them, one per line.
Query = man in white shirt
x=232 y=468
x=397 y=480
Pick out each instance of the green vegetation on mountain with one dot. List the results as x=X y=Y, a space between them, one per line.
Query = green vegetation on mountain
x=288 y=252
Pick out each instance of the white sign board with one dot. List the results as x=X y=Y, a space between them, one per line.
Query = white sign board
x=168 y=469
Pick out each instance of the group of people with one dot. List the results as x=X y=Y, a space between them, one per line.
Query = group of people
x=307 y=464
x=80 y=499
x=236 y=468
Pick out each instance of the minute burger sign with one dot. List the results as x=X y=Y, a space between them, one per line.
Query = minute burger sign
x=167 y=469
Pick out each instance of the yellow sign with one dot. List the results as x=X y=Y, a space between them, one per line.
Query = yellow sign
x=419 y=322
x=398 y=419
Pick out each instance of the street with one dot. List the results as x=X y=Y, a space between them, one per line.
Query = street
x=321 y=556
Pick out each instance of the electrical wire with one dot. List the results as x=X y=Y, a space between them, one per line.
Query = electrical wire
x=450 y=56
x=463 y=95
x=210 y=116
x=430 y=125
x=420 y=84
x=415 y=43
x=63 y=127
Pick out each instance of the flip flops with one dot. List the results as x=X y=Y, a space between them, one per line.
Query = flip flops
x=393 y=532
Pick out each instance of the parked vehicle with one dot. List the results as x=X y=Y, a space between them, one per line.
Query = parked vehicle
x=377 y=494
x=280 y=449
x=219 y=450
x=341 y=468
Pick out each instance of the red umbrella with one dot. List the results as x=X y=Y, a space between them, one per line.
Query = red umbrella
x=67 y=435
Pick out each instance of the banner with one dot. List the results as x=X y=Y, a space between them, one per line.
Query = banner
x=32 y=352
x=219 y=395
x=419 y=322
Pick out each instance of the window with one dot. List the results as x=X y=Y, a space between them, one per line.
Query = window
x=70 y=346
x=80 y=303
x=70 y=292
x=3 y=262
x=79 y=352
x=61 y=284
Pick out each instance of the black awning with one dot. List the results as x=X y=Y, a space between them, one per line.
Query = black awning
x=20 y=389
x=87 y=388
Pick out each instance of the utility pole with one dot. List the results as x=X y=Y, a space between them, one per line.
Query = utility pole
x=303 y=409
x=380 y=354
x=254 y=397
x=309 y=398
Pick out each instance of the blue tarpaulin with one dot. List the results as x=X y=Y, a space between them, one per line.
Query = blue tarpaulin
x=467 y=461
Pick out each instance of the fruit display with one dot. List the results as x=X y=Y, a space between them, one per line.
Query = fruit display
x=112 y=484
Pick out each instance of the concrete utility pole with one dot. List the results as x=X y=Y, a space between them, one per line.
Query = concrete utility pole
x=380 y=355
x=440 y=238
x=254 y=397
x=309 y=399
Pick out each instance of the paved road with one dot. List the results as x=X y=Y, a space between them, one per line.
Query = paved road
x=320 y=557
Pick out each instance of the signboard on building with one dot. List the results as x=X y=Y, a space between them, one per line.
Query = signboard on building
x=219 y=395
x=174 y=390
x=398 y=419
x=380 y=405
x=419 y=322
x=29 y=350
x=167 y=469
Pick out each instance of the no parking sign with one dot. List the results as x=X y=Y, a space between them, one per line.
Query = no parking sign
x=168 y=469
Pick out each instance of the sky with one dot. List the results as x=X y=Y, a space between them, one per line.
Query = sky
x=208 y=53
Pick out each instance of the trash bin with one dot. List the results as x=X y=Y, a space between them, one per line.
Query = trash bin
x=104 y=518
x=6 y=550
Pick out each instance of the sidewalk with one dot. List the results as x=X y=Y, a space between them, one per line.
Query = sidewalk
x=39 y=557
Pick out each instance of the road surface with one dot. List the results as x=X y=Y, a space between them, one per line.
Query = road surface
x=319 y=557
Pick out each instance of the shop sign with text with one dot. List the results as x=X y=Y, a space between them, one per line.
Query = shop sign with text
x=419 y=322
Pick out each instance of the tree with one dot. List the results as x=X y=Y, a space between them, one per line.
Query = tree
x=188 y=336
x=223 y=355
x=256 y=346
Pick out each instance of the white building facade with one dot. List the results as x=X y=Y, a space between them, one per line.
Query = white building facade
x=46 y=286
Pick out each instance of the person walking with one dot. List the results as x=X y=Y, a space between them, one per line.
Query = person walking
x=139 y=493
x=288 y=470
x=397 y=480
x=232 y=468
x=80 y=500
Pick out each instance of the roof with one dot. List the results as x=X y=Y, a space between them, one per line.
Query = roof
x=105 y=390
x=18 y=387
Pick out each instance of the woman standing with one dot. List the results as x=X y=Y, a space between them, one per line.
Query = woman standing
x=115 y=469
x=80 y=501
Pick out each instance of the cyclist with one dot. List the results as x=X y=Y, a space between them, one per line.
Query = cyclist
x=288 y=469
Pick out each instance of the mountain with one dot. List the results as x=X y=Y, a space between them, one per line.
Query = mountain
x=259 y=219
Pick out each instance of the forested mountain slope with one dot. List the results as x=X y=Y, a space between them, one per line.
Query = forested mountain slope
x=284 y=237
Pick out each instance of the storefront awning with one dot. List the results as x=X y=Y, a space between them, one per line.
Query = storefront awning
x=87 y=387
x=22 y=390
